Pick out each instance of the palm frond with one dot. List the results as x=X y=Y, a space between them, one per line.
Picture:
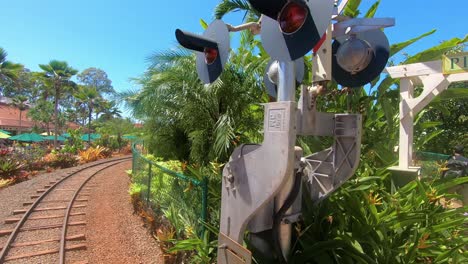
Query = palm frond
x=228 y=6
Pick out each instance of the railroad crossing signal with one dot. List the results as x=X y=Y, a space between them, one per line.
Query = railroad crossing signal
x=290 y=29
x=257 y=180
x=359 y=58
x=212 y=49
x=270 y=78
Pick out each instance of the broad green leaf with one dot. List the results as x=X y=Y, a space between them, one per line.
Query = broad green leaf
x=431 y=124
x=447 y=254
x=361 y=188
x=437 y=51
x=430 y=136
x=371 y=12
x=389 y=110
x=385 y=85
x=370 y=178
x=203 y=24
x=449 y=224
x=447 y=184
x=451 y=93
x=395 y=48
x=351 y=8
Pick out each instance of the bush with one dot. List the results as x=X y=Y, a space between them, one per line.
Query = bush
x=93 y=154
x=64 y=160
x=367 y=222
x=9 y=167
x=74 y=143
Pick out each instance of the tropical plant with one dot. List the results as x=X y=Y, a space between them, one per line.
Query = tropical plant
x=89 y=97
x=97 y=79
x=8 y=70
x=73 y=144
x=64 y=160
x=57 y=75
x=365 y=223
x=9 y=167
x=20 y=103
x=92 y=154
x=191 y=122
x=116 y=127
x=109 y=110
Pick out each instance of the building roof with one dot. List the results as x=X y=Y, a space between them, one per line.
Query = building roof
x=9 y=119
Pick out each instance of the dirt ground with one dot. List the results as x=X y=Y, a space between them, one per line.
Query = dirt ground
x=114 y=233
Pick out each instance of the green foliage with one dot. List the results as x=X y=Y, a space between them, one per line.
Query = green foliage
x=172 y=94
x=367 y=220
x=365 y=223
x=8 y=70
x=74 y=143
x=170 y=193
x=204 y=246
x=111 y=142
x=9 y=167
x=64 y=160
x=97 y=79
x=57 y=75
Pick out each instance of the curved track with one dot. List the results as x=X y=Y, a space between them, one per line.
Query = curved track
x=39 y=224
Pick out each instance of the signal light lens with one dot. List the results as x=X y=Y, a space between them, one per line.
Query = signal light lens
x=292 y=17
x=210 y=55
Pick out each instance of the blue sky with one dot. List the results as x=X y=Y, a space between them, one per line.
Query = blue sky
x=118 y=36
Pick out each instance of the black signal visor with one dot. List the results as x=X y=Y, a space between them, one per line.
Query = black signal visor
x=269 y=8
x=193 y=41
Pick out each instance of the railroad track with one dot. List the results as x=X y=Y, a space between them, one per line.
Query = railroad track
x=54 y=224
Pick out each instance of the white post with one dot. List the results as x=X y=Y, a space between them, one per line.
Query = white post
x=435 y=81
x=406 y=124
x=286 y=92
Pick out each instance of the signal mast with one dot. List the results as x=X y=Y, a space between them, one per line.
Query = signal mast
x=261 y=185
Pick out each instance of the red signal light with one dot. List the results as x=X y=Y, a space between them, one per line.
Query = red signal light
x=292 y=17
x=210 y=55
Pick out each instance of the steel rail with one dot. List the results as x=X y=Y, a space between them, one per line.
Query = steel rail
x=23 y=219
x=68 y=211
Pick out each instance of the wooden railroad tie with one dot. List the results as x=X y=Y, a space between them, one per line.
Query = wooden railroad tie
x=34 y=243
x=56 y=201
x=14 y=220
x=9 y=231
x=22 y=211
x=45 y=252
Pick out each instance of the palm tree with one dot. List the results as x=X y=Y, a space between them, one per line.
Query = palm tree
x=58 y=75
x=228 y=6
x=20 y=102
x=109 y=110
x=88 y=96
x=198 y=122
x=8 y=70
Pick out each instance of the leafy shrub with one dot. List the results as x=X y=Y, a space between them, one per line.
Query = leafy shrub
x=92 y=154
x=366 y=222
x=106 y=153
x=4 y=152
x=74 y=143
x=126 y=150
x=111 y=142
x=5 y=182
x=59 y=160
x=50 y=157
x=64 y=160
x=9 y=167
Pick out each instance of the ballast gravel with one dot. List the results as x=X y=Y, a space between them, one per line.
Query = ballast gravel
x=113 y=233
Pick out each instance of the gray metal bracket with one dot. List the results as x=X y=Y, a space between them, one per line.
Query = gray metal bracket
x=255 y=174
x=327 y=170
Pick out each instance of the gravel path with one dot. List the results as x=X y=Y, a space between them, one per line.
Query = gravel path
x=113 y=233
